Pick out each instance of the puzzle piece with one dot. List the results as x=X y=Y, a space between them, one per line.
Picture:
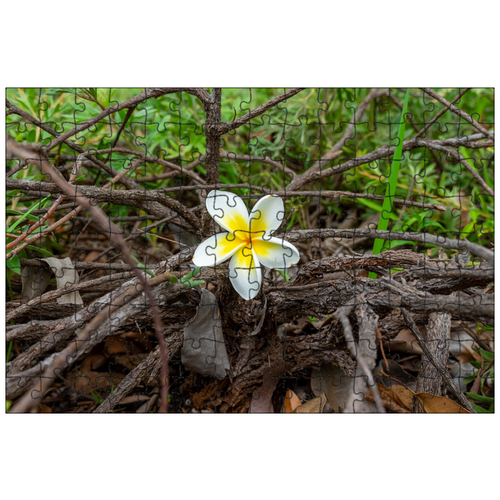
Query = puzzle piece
x=255 y=218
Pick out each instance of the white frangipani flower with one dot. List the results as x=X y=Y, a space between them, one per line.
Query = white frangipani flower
x=247 y=242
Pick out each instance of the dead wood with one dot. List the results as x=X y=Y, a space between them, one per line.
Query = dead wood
x=439 y=367
x=437 y=338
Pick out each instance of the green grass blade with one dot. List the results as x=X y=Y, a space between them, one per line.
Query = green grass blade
x=24 y=216
x=393 y=180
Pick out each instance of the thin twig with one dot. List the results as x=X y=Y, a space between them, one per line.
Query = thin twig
x=441 y=113
x=336 y=149
x=457 y=156
x=228 y=126
x=115 y=236
x=54 y=294
x=459 y=112
x=61 y=360
x=425 y=238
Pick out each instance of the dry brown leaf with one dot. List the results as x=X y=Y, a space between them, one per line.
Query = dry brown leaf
x=397 y=393
x=262 y=397
x=332 y=381
x=291 y=401
x=118 y=345
x=315 y=405
x=85 y=382
x=93 y=361
x=403 y=342
x=403 y=396
x=439 y=404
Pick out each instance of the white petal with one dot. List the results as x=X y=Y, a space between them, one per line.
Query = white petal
x=229 y=211
x=216 y=249
x=245 y=273
x=275 y=253
x=267 y=216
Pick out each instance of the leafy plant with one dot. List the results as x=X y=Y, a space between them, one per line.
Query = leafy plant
x=485 y=374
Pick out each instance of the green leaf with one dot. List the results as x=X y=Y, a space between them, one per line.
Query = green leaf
x=430 y=223
x=488 y=356
x=40 y=250
x=193 y=283
x=15 y=212
x=14 y=265
x=478 y=397
x=143 y=267
x=393 y=179
x=193 y=273
x=284 y=274
x=34 y=207
x=398 y=243
x=479 y=409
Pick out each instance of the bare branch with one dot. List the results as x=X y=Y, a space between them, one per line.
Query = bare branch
x=116 y=238
x=459 y=112
x=457 y=156
x=426 y=238
x=363 y=366
x=441 y=113
x=335 y=151
x=212 y=136
x=226 y=127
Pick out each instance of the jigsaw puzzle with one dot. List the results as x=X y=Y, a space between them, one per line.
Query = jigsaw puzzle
x=259 y=250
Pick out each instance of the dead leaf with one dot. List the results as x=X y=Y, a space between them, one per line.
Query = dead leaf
x=461 y=346
x=331 y=380
x=398 y=374
x=315 y=405
x=430 y=403
x=35 y=280
x=262 y=397
x=85 y=382
x=204 y=349
x=182 y=236
x=397 y=393
x=403 y=342
x=136 y=398
x=438 y=404
x=66 y=275
x=93 y=361
x=291 y=401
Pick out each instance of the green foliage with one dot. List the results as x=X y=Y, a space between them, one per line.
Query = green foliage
x=188 y=280
x=387 y=207
x=486 y=373
x=296 y=132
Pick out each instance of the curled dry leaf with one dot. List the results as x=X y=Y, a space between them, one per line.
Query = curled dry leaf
x=430 y=403
x=35 y=280
x=315 y=405
x=438 y=404
x=66 y=274
x=204 y=349
x=331 y=380
x=403 y=342
x=291 y=401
